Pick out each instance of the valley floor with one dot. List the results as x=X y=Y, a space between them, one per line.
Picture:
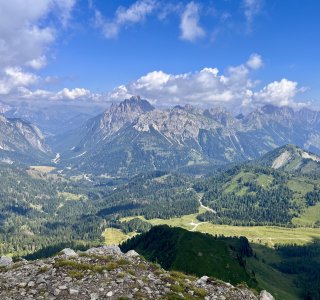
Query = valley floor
x=265 y=235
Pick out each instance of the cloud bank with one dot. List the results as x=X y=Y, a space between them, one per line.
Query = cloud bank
x=209 y=87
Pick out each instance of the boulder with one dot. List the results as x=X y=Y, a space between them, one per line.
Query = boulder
x=105 y=250
x=5 y=261
x=69 y=252
x=264 y=295
x=132 y=253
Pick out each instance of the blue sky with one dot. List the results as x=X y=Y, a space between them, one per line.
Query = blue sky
x=220 y=52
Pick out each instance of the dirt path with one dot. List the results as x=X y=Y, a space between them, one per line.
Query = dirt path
x=203 y=206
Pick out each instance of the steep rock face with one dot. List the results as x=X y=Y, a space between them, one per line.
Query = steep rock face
x=107 y=273
x=21 y=139
x=133 y=137
x=124 y=113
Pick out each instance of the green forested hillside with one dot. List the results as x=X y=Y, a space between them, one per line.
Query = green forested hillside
x=251 y=195
x=195 y=253
x=37 y=211
x=293 y=159
x=288 y=272
x=40 y=210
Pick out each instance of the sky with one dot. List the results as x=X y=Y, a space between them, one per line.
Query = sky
x=232 y=53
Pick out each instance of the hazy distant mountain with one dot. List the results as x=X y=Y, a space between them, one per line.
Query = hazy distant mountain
x=21 y=141
x=133 y=136
x=4 y=107
x=52 y=119
x=292 y=159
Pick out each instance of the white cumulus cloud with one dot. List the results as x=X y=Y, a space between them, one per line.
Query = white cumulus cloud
x=280 y=93
x=206 y=86
x=234 y=88
x=136 y=13
x=24 y=39
x=66 y=94
x=13 y=77
x=27 y=30
x=255 y=61
x=190 y=28
x=72 y=94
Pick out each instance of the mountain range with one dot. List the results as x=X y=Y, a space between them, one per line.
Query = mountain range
x=134 y=137
x=51 y=118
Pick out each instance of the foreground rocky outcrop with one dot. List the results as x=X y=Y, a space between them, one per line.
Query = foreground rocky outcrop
x=107 y=273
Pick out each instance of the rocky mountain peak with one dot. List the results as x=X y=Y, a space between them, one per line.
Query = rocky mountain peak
x=278 y=112
x=220 y=115
x=135 y=103
x=123 y=113
x=270 y=114
x=187 y=107
x=107 y=273
x=308 y=116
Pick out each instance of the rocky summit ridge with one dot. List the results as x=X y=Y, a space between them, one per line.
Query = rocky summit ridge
x=107 y=273
x=133 y=137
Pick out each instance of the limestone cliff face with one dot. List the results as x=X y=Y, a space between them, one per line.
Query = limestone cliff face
x=107 y=273
x=20 y=138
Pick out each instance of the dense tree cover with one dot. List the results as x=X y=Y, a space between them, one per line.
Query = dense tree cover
x=36 y=213
x=303 y=261
x=250 y=195
x=195 y=253
x=39 y=212
x=313 y=197
x=154 y=195
x=133 y=225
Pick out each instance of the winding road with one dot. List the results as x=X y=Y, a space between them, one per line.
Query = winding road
x=204 y=207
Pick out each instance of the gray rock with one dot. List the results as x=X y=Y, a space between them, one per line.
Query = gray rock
x=203 y=280
x=56 y=292
x=94 y=296
x=69 y=252
x=40 y=280
x=132 y=253
x=73 y=292
x=105 y=250
x=62 y=287
x=112 y=249
x=109 y=294
x=264 y=295
x=5 y=261
x=31 y=283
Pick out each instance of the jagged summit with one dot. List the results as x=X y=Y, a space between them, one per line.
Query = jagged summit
x=133 y=136
x=107 y=273
x=135 y=103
